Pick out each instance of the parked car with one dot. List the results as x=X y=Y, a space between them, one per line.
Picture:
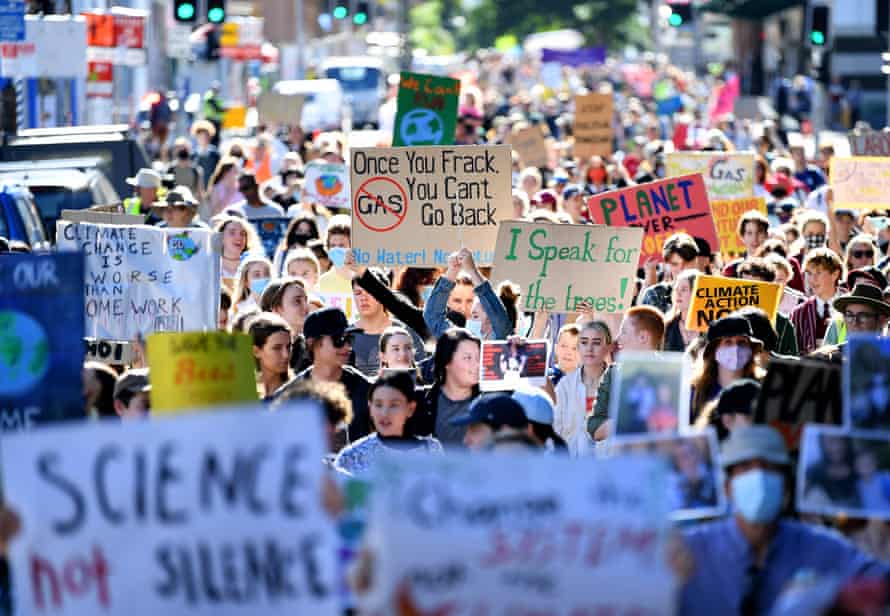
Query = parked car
x=61 y=184
x=18 y=216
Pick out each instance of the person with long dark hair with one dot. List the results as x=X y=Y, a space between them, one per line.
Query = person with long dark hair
x=272 y=341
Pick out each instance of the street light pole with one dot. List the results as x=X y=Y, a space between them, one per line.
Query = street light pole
x=301 y=42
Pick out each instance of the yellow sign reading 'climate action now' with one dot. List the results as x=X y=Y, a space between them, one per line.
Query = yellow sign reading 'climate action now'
x=714 y=297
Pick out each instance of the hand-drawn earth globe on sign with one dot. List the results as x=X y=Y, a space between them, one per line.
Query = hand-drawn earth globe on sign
x=24 y=352
x=181 y=247
x=421 y=127
x=328 y=185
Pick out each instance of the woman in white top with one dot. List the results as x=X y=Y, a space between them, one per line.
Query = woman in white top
x=238 y=238
x=576 y=391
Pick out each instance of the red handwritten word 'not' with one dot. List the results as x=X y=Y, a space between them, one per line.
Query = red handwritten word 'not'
x=76 y=577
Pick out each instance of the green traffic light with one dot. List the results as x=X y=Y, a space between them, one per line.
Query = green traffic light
x=340 y=12
x=360 y=19
x=216 y=15
x=818 y=38
x=675 y=20
x=185 y=11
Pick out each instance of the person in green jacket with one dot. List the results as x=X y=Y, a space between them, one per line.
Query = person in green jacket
x=146 y=184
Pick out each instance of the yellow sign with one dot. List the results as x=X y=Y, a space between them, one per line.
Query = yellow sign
x=235 y=117
x=229 y=36
x=727 y=213
x=200 y=369
x=728 y=175
x=860 y=182
x=714 y=297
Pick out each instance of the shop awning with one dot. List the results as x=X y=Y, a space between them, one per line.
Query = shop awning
x=749 y=9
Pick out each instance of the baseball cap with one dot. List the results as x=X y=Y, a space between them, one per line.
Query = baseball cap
x=325 y=322
x=739 y=397
x=132 y=381
x=754 y=443
x=546 y=197
x=570 y=191
x=496 y=411
x=536 y=404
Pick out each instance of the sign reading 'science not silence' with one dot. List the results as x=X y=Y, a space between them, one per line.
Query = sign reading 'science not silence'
x=414 y=206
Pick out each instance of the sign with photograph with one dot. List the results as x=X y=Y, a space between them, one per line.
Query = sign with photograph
x=694 y=480
x=426 y=110
x=222 y=513
x=415 y=206
x=727 y=175
x=492 y=544
x=867 y=383
x=508 y=365
x=650 y=393
x=843 y=473
x=559 y=266
x=796 y=392
x=660 y=208
x=714 y=297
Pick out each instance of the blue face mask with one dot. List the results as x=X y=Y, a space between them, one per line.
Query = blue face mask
x=258 y=285
x=757 y=495
x=337 y=255
x=475 y=327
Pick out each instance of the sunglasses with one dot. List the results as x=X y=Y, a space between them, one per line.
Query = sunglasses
x=862 y=254
x=341 y=340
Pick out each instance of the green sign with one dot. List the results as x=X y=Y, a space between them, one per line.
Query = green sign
x=427 y=110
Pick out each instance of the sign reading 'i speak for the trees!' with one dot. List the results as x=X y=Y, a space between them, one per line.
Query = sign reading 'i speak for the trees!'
x=560 y=266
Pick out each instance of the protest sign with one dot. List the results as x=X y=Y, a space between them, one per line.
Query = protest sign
x=650 y=393
x=861 y=182
x=507 y=365
x=271 y=231
x=593 y=125
x=114 y=352
x=200 y=369
x=714 y=297
x=415 y=206
x=867 y=383
x=531 y=146
x=864 y=491
x=343 y=301
x=661 y=209
x=280 y=108
x=205 y=514
x=560 y=266
x=41 y=332
x=326 y=184
x=791 y=299
x=499 y=535
x=426 y=110
x=869 y=143
x=726 y=216
x=727 y=175
x=694 y=479
x=141 y=279
x=796 y=392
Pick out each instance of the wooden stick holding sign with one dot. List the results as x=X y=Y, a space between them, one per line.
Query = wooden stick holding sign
x=714 y=297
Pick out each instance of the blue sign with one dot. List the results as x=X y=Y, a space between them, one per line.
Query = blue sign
x=12 y=20
x=577 y=57
x=271 y=231
x=41 y=339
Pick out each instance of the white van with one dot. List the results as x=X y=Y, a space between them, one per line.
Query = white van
x=322 y=105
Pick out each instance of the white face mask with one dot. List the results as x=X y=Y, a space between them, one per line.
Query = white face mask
x=475 y=327
x=733 y=357
x=758 y=494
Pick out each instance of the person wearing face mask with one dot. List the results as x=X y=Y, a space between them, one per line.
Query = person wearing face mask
x=728 y=356
x=253 y=276
x=448 y=295
x=742 y=563
x=813 y=227
x=184 y=171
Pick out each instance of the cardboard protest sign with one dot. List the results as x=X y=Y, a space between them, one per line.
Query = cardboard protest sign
x=593 y=125
x=426 y=110
x=561 y=266
x=694 y=480
x=865 y=495
x=869 y=143
x=796 y=392
x=791 y=299
x=531 y=146
x=415 y=206
x=499 y=535
x=867 y=383
x=714 y=297
x=661 y=209
x=141 y=279
x=200 y=369
x=271 y=231
x=727 y=175
x=726 y=216
x=280 y=108
x=508 y=365
x=860 y=182
x=114 y=352
x=343 y=301
x=41 y=332
x=326 y=184
x=650 y=394
x=221 y=513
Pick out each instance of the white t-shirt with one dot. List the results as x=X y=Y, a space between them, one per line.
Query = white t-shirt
x=250 y=212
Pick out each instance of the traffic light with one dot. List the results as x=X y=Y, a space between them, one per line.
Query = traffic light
x=819 y=26
x=216 y=11
x=681 y=14
x=185 y=10
x=340 y=11
x=361 y=13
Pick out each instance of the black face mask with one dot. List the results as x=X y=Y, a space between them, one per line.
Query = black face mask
x=457 y=318
x=301 y=238
x=182 y=155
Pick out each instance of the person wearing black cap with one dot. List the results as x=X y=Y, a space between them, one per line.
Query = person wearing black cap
x=491 y=417
x=733 y=408
x=730 y=348
x=131 y=394
x=329 y=344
